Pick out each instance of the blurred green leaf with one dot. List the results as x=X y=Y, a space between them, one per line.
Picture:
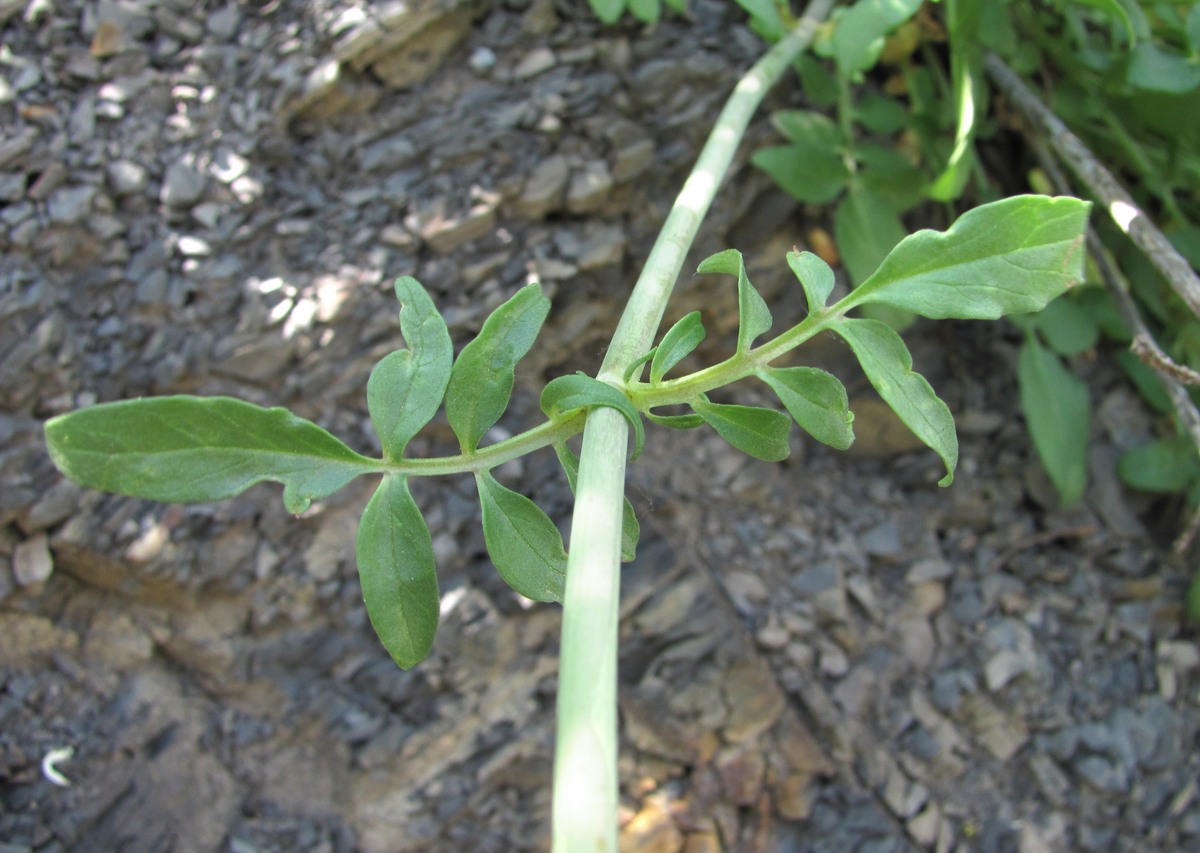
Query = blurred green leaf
x=397 y=572
x=881 y=115
x=762 y=433
x=866 y=229
x=607 y=11
x=406 y=386
x=1009 y=256
x=1117 y=12
x=817 y=82
x=183 y=449
x=1167 y=465
x=765 y=19
x=888 y=365
x=859 y=31
x=815 y=277
x=567 y=393
x=646 y=11
x=1067 y=327
x=754 y=317
x=890 y=176
x=1157 y=69
x=966 y=71
x=805 y=171
x=816 y=400
x=631 y=530
x=808 y=127
x=525 y=546
x=1058 y=414
x=679 y=341
x=481 y=381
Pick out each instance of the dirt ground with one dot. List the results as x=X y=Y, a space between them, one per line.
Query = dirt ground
x=826 y=654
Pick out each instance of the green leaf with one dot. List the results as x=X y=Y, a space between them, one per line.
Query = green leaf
x=754 y=317
x=816 y=400
x=763 y=433
x=859 y=31
x=646 y=11
x=481 y=381
x=1148 y=380
x=1117 y=11
x=806 y=172
x=634 y=370
x=888 y=365
x=816 y=277
x=183 y=449
x=631 y=529
x=890 y=176
x=1167 y=465
x=522 y=541
x=676 y=421
x=676 y=344
x=1067 y=327
x=809 y=126
x=406 y=386
x=568 y=393
x=608 y=11
x=397 y=572
x=866 y=228
x=1159 y=70
x=881 y=115
x=764 y=19
x=1010 y=256
x=1057 y=413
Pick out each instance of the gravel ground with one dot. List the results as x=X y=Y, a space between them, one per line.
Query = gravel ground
x=214 y=198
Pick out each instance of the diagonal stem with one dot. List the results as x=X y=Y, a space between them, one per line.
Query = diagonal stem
x=585 y=767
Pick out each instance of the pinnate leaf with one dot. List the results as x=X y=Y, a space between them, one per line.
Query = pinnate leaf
x=183 y=449
x=525 y=546
x=568 y=393
x=397 y=572
x=763 y=433
x=1010 y=256
x=406 y=386
x=888 y=365
x=631 y=529
x=754 y=317
x=677 y=344
x=816 y=400
x=815 y=277
x=1057 y=413
x=481 y=380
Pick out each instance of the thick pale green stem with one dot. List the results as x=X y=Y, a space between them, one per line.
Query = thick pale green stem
x=585 y=768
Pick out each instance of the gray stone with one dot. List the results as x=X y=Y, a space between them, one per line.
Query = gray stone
x=537 y=61
x=1102 y=774
x=12 y=186
x=224 y=22
x=823 y=585
x=632 y=160
x=183 y=185
x=544 y=187
x=70 y=204
x=32 y=562
x=589 y=188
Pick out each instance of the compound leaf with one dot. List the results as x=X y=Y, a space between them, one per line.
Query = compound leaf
x=816 y=277
x=888 y=365
x=182 y=449
x=481 y=380
x=568 y=393
x=754 y=317
x=816 y=400
x=406 y=386
x=676 y=344
x=631 y=529
x=1010 y=256
x=1057 y=413
x=397 y=572
x=763 y=433
x=522 y=541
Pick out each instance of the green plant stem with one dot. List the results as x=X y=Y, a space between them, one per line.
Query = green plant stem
x=585 y=768
x=547 y=434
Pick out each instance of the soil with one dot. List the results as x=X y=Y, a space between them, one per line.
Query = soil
x=825 y=654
